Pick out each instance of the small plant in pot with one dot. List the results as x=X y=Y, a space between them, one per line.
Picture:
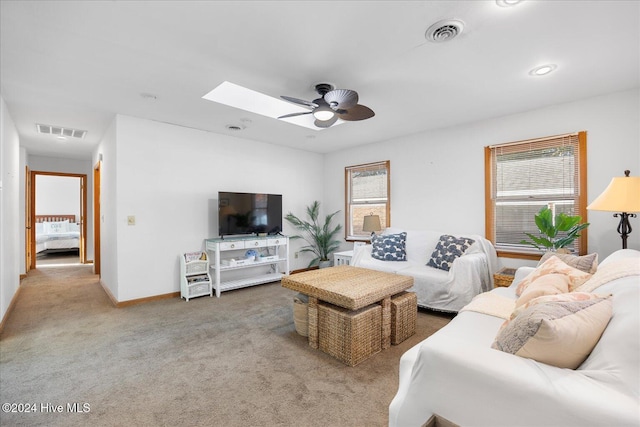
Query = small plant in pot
x=321 y=238
x=555 y=232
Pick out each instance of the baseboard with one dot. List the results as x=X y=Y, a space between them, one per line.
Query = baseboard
x=23 y=276
x=148 y=299
x=120 y=304
x=9 y=309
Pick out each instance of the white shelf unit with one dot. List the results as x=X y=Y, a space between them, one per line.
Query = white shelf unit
x=228 y=254
x=195 y=280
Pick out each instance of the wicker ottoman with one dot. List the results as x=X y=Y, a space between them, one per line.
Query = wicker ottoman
x=349 y=336
x=404 y=310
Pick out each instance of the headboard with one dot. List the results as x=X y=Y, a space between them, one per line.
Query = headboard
x=56 y=218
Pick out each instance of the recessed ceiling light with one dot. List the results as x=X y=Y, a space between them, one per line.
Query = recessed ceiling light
x=543 y=70
x=507 y=3
x=234 y=128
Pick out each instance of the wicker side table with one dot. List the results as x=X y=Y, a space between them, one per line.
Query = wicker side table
x=504 y=277
x=404 y=311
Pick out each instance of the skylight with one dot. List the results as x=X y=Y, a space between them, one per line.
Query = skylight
x=236 y=96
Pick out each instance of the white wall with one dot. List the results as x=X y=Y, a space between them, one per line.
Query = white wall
x=10 y=231
x=108 y=209
x=437 y=177
x=58 y=195
x=168 y=177
x=73 y=166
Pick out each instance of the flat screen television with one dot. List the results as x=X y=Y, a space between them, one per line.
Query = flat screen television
x=249 y=213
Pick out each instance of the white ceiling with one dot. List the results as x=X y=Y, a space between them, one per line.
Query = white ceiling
x=77 y=64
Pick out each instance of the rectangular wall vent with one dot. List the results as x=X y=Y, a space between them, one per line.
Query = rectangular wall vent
x=61 y=131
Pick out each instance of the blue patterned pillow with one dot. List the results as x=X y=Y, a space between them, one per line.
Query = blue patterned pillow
x=447 y=250
x=389 y=247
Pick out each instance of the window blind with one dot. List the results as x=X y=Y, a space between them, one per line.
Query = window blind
x=367 y=192
x=529 y=175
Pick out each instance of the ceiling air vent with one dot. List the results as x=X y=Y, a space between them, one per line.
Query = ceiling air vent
x=61 y=131
x=443 y=31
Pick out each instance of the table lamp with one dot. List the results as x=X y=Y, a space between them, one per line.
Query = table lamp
x=371 y=223
x=623 y=197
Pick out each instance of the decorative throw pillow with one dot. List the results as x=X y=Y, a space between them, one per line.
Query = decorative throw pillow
x=586 y=263
x=549 y=284
x=447 y=250
x=550 y=266
x=558 y=333
x=389 y=247
x=569 y=296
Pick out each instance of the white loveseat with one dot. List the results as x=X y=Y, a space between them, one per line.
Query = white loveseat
x=457 y=375
x=470 y=274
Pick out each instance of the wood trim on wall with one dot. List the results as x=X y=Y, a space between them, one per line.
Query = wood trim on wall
x=120 y=304
x=582 y=148
x=83 y=209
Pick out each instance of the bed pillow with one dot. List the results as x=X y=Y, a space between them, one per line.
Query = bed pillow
x=447 y=250
x=551 y=266
x=39 y=228
x=558 y=333
x=586 y=263
x=389 y=247
x=549 y=284
x=55 y=227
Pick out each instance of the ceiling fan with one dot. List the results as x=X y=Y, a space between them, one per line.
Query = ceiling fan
x=332 y=105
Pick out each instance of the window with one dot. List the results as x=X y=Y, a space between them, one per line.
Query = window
x=367 y=191
x=523 y=177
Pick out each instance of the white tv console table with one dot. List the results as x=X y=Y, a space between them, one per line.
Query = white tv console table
x=227 y=254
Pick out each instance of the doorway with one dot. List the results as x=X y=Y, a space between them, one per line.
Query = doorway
x=58 y=211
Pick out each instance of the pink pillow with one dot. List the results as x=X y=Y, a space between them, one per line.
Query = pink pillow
x=549 y=284
x=551 y=266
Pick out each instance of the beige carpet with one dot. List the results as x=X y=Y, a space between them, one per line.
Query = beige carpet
x=232 y=361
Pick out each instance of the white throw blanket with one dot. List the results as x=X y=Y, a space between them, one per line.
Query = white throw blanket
x=499 y=306
x=492 y=304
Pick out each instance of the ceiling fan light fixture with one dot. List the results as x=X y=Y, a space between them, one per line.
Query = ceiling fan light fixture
x=323 y=113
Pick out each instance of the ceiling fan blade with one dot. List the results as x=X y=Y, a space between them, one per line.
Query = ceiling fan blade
x=342 y=98
x=326 y=123
x=295 y=114
x=359 y=112
x=299 y=101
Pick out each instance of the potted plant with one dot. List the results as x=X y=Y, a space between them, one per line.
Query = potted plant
x=568 y=226
x=321 y=238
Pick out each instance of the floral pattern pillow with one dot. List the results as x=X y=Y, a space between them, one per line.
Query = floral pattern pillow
x=447 y=250
x=389 y=247
x=554 y=265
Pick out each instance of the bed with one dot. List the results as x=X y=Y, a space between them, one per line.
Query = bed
x=57 y=233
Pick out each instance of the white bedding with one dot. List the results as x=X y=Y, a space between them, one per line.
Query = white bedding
x=57 y=236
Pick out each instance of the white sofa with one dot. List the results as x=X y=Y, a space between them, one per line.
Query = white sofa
x=449 y=291
x=457 y=375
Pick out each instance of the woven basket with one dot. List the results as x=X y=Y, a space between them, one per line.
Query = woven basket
x=504 y=277
x=349 y=336
x=404 y=312
x=301 y=317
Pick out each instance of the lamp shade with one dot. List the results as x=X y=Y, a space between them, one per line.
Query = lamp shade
x=371 y=223
x=622 y=195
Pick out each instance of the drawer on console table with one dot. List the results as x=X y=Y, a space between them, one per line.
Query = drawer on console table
x=276 y=241
x=230 y=246
x=255 y=243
